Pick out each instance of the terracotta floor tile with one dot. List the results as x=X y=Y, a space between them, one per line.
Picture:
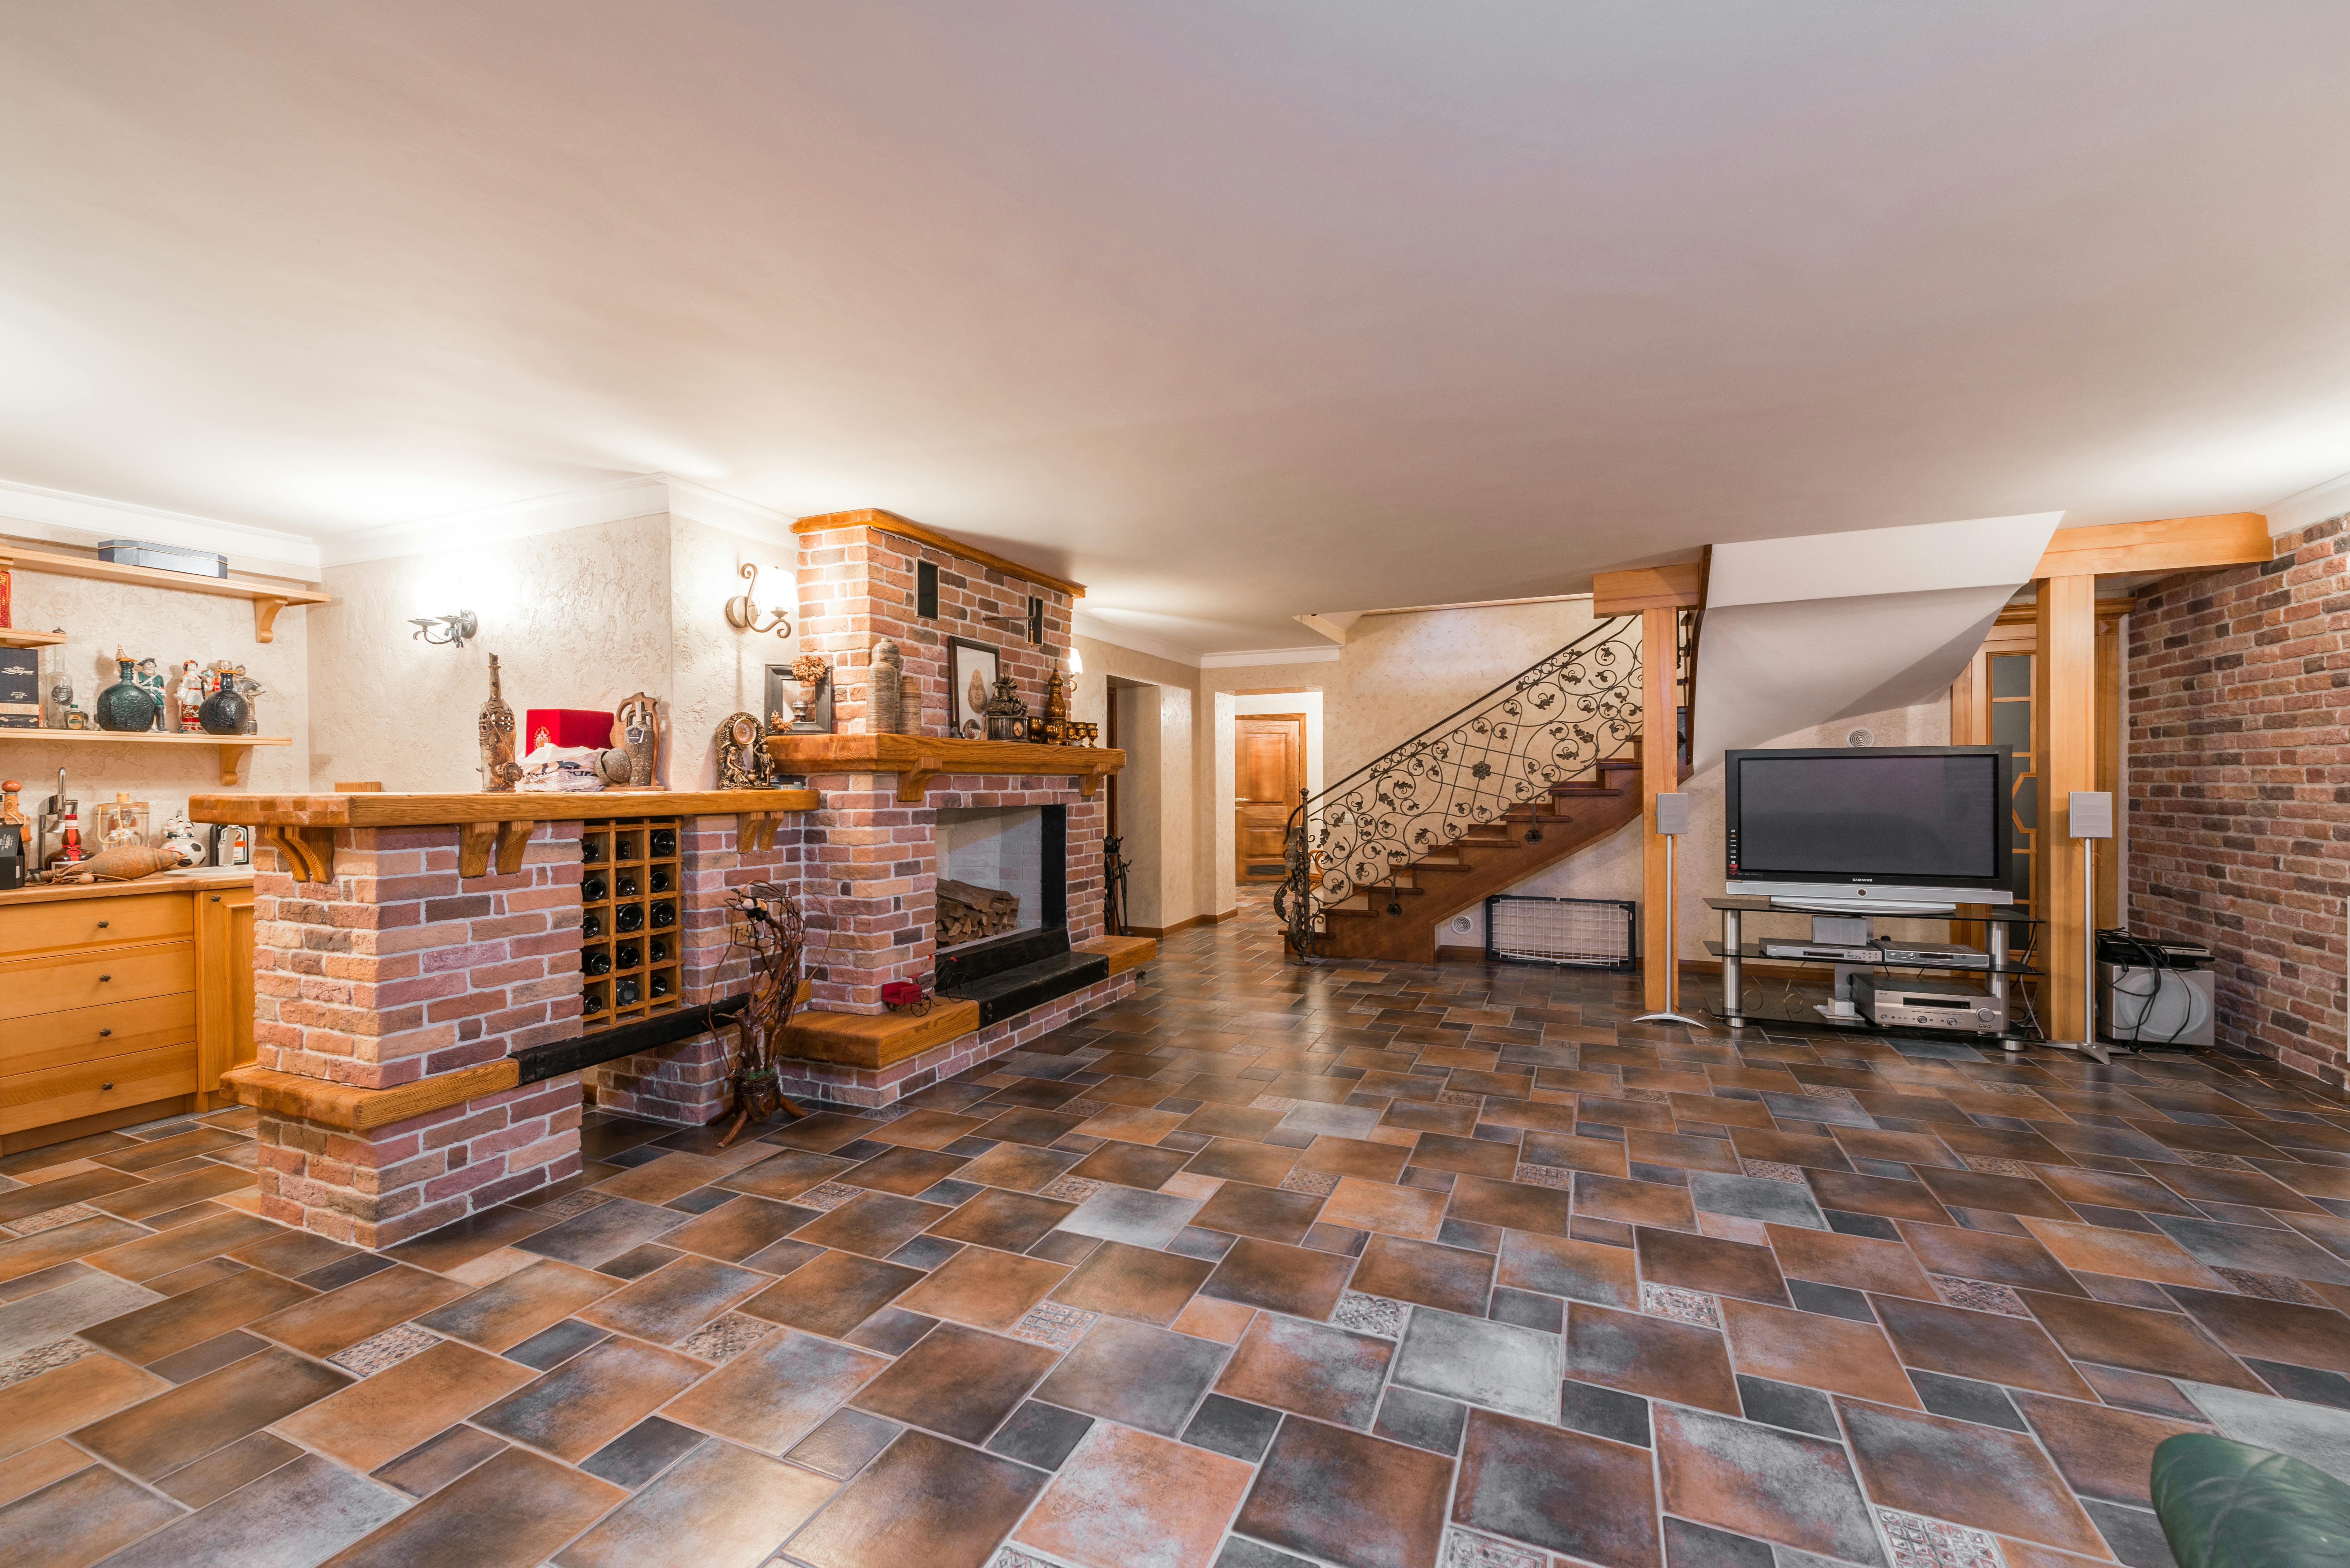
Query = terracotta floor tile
x=1136 y=1283
x=873 y=1224
x=926 y=1130
x=1294 y=1280
x=1987 y=1346
x=2248 y=1187
x=925 y=1500
x=1132 y=1124
x=1466 y=1156
x=738 y=1227
x=785 y=1177
x=174 y=1192
x=55 y=1402
x=833 y=1293
x=904 y=1171
x=822 y=1132
x=659 y=1180
x=1832 y=1354
x=1761 y=1482
x=1453 y=1278
x=36 y=1468
x=957 y=1380
x=509 y=1512
x=778 y=1392
x=1580 y=1495
x=1024 y=1125
x=375 y=1421
x=1348 y=1497
x=78 y=1187
x=152 y=1439
x=1999 y=1194
x=46 y=1248
x=1224 y=1322
x=1234 y=1121
x=2250 y=1248
x=1655 y=1356
x=1230 y=1160
x=2102 y=1249
x=1011 y=1221
x=176 y=1249
x=1856 y=1262
x=2168 y=1345
x=1314 y=1370
x=1130 y=1165
x=78 y=1520
x=983 y=1287
x=1634 y=1203
x=2101 y=1452
x=1346 y=1157
x=1364 y=1205
x=325 y=1324
x=1130 y=1499
x=1510 y=1205
x=721 y=1507
x=592 y=1399
x=1136 y=1375
x=1559 y=1266
x=2018 y=1261
x=501 y=1315
x=1969 y=1474
x=1242 y=1208
x=1716 y=1267
x=674 y=1299
x=1018 y=1167
x=1800 y=1149
x=2270 y=1330
x=1856 y=1194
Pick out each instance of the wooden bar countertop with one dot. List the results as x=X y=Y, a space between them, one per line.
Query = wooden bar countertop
x=162 y=882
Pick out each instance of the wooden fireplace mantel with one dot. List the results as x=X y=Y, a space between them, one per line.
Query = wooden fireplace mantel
x=917 y=759
x=301 y=827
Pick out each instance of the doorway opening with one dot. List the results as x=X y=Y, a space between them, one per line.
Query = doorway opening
x=1268 y=781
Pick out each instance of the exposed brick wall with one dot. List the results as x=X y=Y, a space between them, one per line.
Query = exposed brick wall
x=2239 y=787
x=686 y=1083
x=397 y=970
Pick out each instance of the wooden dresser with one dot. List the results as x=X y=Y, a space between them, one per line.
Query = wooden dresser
x=121 y=1003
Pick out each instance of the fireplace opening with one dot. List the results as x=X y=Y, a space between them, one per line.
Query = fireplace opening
x=1002 y=871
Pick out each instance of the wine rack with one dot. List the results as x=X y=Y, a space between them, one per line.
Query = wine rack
x=631 y=909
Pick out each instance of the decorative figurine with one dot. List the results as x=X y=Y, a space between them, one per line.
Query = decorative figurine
x=122 y=823
x=495 y=730
x=248 y=689
x=884 y=713
x=636 y=741
x=187 y=839
x=152 y=679
x=1057 y=710
x=1006 y=715
x=192 y=698
x=742 y=761
x=223 y=711
x=125 y=705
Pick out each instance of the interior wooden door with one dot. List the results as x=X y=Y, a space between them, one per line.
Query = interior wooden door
x=1268 y=772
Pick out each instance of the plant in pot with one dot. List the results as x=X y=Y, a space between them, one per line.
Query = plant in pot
x=766 y=925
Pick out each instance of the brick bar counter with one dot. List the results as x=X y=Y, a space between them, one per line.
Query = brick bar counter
x=414 y=953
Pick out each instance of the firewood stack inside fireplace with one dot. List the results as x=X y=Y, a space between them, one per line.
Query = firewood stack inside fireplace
x=968 y=912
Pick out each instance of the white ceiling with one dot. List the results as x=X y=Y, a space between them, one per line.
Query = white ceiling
x=1230 y=311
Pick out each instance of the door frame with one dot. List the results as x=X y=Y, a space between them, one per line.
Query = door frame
x=1305 y=772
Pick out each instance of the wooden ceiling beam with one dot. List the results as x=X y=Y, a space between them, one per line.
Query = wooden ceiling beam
x=1677 y=586
x=2169 y=544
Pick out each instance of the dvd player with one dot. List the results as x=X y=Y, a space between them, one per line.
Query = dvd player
x=1891 y=1002
x=1824 y=951
x=1943 y=954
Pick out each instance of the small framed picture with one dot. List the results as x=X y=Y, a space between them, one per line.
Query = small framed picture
x=970 y=681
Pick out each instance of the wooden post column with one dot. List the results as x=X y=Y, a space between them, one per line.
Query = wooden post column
x=1659 y=774
x=2064 y=742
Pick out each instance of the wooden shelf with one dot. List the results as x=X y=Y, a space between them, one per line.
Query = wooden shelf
x=917 y=759
x=268 y=598
x=232 y=747
x=18 y=637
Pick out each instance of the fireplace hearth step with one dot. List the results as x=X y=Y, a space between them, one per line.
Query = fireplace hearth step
x=1013 y=991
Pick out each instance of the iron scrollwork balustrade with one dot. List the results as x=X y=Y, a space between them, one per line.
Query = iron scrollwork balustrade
x=1550 y=724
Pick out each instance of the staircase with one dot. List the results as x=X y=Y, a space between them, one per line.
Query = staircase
x=1538 y=768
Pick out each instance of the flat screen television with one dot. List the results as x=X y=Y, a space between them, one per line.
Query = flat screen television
x=1864 y=827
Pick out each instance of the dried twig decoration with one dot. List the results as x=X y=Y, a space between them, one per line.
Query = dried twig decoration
x=767 y=925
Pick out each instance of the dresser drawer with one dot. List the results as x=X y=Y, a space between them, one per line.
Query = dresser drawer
x=49 y=1040
x=83 y=922
x=62 y=981
x=86 y=1088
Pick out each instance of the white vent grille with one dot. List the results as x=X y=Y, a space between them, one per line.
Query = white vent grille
x=1594 y=933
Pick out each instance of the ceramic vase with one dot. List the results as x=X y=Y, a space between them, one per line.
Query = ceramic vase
x=223 y=711
x=126 y=705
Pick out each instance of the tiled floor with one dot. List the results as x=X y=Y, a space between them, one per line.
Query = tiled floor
x=1372 y=1266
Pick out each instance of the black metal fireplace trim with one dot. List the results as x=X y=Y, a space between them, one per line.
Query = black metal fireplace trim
x=543 y=1062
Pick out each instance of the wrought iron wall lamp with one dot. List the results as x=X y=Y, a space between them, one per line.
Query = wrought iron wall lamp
x=454 y=629
x=743 y=609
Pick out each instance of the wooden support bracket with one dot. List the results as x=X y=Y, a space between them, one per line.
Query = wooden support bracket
x=1087 y=783
x=755 y=831
x=914 y=783
x=474 y=842
x=512 y=837
x=229 y=756
x=308 y=852
x=265 y=619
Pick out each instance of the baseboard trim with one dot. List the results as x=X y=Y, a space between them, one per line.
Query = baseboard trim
x=1169 y=930
x=1459 y=955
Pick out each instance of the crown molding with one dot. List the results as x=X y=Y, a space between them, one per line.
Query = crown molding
x=62 y=517
x=2318 y=504
x=616 y=501
x=1328 y=653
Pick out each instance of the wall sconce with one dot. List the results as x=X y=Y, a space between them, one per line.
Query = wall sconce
x=1076 y=661
x=454 y=628
x=743 y=609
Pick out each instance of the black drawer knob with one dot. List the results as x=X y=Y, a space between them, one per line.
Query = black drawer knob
x=104 y=1032
x=108 y=1084
x=103 y=924
x=104 y=977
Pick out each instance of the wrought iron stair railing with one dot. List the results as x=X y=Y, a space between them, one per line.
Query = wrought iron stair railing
x=1552 y=724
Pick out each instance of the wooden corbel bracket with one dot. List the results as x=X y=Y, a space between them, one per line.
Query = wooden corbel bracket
x=308 y=853
x=754 y=831
x=265 y=619
x=477 y=840
x=512 y=838
x=914 y=783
